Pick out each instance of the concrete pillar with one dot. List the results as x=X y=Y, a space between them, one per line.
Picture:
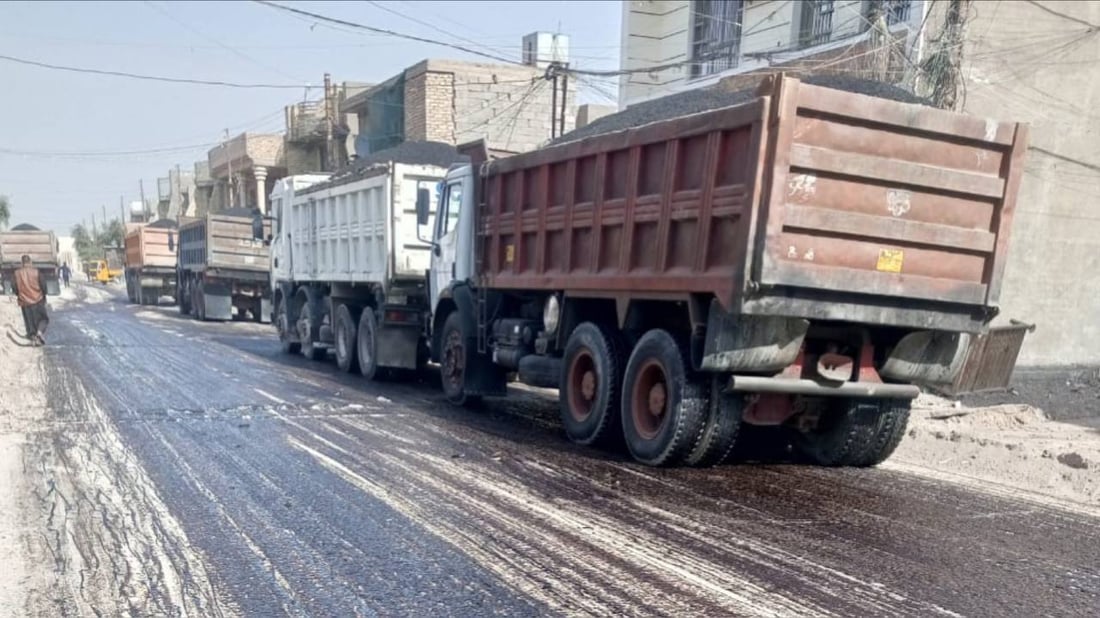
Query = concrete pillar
x=260 y=173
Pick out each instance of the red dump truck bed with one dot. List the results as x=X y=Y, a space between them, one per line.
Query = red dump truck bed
x=803 y=202
x=148 y=247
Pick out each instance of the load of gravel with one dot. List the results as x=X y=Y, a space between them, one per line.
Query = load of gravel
x=438 y=154
x=705 y=99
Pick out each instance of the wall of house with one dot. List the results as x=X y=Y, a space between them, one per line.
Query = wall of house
x=1026 y=64
x=659 y=32
x=457 y=102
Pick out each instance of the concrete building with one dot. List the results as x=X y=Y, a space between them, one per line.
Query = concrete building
x=512 y=106
x=1035 y=62
x=318 y=132
x=244 y=169
x=176 y=194
x=204 y=188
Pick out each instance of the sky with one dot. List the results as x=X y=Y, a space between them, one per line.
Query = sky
x=61 y=133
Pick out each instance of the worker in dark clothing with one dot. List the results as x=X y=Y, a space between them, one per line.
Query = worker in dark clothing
x=30 y=288
x=66 y=272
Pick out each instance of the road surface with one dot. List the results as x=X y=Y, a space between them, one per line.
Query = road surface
x=212 y=475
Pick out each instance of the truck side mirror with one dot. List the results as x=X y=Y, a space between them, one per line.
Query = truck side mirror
x=423 y=206
x=171 y=242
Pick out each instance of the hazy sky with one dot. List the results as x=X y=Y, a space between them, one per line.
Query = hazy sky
x=67 y=119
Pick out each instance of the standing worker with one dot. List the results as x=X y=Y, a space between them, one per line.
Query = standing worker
x=29 y=286
x=65 y=273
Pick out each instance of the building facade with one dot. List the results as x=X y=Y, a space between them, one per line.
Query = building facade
x=1032 y=62
x=513 y=107
x=244 y=170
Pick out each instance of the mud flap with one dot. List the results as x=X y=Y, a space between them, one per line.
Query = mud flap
x=397 y=346
x=990 y=360
x=483 y=376
x=218 y=306
x=265 y=310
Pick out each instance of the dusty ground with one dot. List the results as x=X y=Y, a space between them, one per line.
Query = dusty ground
x=1012 y=448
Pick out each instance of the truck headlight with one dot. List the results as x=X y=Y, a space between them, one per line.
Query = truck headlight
x=551 y=314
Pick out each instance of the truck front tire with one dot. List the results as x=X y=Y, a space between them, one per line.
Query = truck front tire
x=664 y=406
x=282 y=326
x=453 y=360
x=591 y=379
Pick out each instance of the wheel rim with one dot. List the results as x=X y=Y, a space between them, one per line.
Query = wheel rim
x=281 y=323
x=454 y=360
x=649 y=400
x=303 y=329
x=583 y=383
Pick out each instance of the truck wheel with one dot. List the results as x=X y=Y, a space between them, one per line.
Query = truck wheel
x=591 y=379
x=452 y=362
x=311 y=349
x=366 y=344
x=664 y=407
x=347 y=358
x=722 y=427
x=282 y=326
x=856 y=432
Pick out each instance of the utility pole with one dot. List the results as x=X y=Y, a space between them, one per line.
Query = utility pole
x=144 y=206
x=104 y=207
x=229 y=161
x=327 y=163
x=94 y=232
x=122 y=210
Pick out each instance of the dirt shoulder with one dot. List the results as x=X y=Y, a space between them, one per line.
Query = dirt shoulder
x=1013 y=449
x=22 y=410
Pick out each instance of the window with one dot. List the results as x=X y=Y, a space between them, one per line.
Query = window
x=816 y=22
x=453 y=206
x=897 y=11
x=716 y=35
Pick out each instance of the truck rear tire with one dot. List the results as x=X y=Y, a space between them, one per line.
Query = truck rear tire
x=590 y=384
x=346 y=344
x=453 y=359
x=199 y=299
x=282 y=326
x=856 y=432
x=310 y=347
x=183 y=298
x=722 y=427
x=367 y=345
x=664 y=406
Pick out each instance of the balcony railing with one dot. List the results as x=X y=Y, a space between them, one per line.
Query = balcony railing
x=305 y=120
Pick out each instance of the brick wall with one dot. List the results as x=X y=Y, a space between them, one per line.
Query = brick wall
x=456 y=102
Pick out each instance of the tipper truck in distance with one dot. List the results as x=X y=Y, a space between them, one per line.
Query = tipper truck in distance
x=223 y=268
x=40 y=245
x=804 y=259
x=348 y=271
x=150 y=263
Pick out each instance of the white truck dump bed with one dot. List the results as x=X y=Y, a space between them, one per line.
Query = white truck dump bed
x=360 y=231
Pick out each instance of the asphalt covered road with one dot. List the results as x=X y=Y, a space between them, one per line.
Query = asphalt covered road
x=267 y=485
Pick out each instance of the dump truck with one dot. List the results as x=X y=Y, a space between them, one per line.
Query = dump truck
x=223 y=269
x=151 y=262
x=348 y=269
x=802 y=260
x=42 y=248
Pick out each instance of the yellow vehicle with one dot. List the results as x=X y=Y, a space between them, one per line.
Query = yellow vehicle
x=109 y=269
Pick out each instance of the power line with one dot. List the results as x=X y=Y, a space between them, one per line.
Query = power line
x=415 y=20
x=217 y=42
x=1039 y=5
x=400 y=35
x=154 y=78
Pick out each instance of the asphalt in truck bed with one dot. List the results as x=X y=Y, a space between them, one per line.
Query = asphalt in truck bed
x=304 y=491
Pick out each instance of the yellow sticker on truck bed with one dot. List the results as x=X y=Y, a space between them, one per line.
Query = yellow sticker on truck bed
x=889 y=260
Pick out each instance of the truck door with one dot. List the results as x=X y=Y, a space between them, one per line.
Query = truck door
x=445 y=253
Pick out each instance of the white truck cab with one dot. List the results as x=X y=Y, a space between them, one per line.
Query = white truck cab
x=453 y=233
